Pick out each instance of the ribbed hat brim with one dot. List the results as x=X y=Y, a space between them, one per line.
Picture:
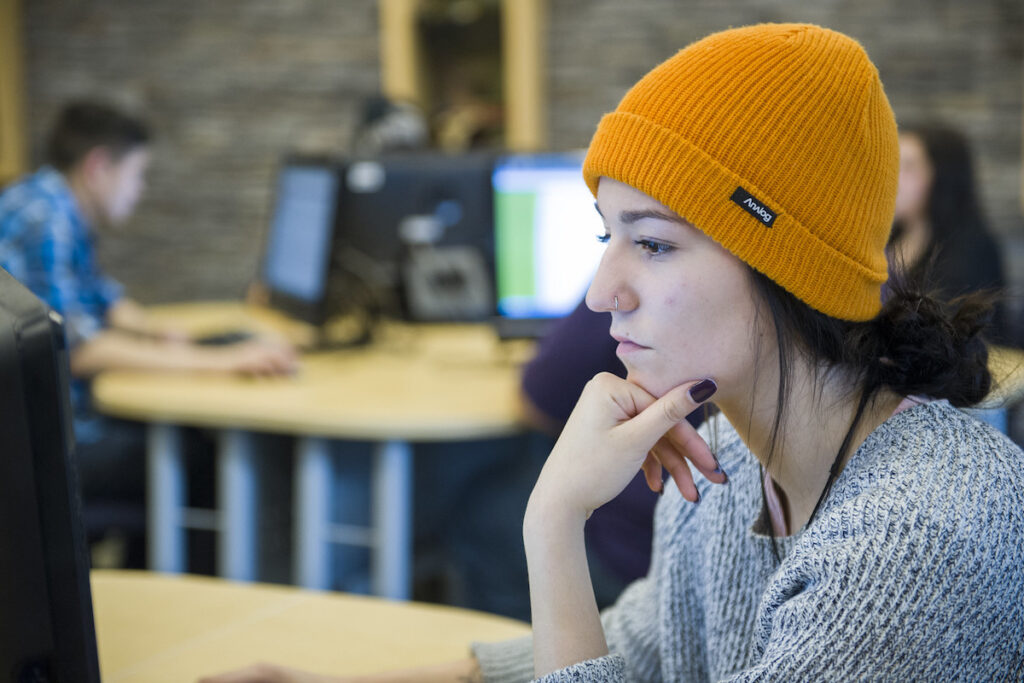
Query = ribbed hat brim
x=698 y=188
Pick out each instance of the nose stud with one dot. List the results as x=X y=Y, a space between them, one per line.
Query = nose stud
x=616 y=303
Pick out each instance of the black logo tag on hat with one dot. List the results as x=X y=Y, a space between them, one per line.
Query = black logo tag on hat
x=755 y=207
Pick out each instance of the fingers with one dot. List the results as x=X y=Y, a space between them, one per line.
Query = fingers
x=277 y=362
x=657 y=418
x=255 y=673
x=675 y=463
x=262 y=360
x=655 y=428
x=652 y=473
x=685 y=439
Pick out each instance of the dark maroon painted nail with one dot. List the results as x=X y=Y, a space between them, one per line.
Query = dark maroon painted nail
x=703 y=390
x=718 y=469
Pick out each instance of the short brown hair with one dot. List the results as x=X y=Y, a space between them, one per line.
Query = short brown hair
x=83 y=126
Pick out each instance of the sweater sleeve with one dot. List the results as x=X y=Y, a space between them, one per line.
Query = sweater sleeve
x=632 y=641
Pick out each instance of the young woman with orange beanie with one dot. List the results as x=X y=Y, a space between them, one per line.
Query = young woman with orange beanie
x=847 y=522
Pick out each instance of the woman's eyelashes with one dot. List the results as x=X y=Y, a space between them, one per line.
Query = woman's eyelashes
x=649 y=246
x=653 y=247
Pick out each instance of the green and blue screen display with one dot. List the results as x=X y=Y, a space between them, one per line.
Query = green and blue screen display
x=546 y=228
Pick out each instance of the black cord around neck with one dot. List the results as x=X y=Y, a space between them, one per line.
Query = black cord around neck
x=836 y=464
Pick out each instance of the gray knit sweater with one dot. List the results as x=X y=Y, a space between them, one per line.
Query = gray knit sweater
x=913 y=570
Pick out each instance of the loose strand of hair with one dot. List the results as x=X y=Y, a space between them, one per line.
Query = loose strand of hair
x=780 y=411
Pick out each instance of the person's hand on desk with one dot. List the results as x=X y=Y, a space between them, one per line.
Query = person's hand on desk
x=116 y=350
x=463 y=671
x=257 y=357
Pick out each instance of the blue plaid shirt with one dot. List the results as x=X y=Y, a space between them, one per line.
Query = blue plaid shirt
x=46 y=243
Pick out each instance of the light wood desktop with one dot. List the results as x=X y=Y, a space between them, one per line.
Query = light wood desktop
x=154 y=628
x=1007 y=367
x=422 y=383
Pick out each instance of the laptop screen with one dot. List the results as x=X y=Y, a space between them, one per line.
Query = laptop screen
x=299 y=245
x=546 y=251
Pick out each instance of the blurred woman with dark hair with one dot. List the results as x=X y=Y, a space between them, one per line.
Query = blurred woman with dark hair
x=940 y=233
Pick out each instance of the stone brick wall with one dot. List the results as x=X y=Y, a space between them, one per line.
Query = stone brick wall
x=948 y=60
x=229 y=86
x=232 y=84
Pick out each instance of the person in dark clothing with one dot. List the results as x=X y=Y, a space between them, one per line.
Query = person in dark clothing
x=940 y=232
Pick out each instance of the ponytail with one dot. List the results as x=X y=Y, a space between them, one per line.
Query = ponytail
x=920 y=345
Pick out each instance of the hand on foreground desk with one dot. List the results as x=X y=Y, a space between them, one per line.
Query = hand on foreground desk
x=268 y=673
x=463 y=671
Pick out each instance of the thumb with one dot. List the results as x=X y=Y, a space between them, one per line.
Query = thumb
x=654 y=421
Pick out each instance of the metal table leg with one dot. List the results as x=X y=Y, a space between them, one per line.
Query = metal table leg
x=392 y=517
x=237 y=489
x=312 y=486
x=392 y=520
x=165 y=497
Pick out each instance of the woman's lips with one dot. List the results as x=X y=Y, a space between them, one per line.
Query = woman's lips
x=627 y=346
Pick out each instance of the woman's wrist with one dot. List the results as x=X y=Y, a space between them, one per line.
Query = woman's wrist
x=566 y=622
x=550 y=520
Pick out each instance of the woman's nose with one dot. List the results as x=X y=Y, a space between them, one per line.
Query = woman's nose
x=608 y=292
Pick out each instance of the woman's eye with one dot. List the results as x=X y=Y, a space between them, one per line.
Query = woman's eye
x=652 y=247
x=603 y=239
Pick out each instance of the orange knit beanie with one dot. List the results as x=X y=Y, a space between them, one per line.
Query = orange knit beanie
x=778 y=142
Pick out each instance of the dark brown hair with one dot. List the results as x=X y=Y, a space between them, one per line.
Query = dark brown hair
x=83 y=126
x=917 y=345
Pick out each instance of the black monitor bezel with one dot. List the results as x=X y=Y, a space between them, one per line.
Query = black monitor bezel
x=34 y=368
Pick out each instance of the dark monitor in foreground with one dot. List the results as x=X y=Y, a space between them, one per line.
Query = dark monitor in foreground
x=46 y=621
x=546 y=247
x=297 y=255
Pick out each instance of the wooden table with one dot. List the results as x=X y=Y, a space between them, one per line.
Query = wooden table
x=1007 y=367
x=155 y=628
x=415 y=383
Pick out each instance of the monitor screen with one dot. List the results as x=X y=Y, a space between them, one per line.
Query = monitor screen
x=298 y=249
x=383 y=192
x=46 y=621
x=546 y=228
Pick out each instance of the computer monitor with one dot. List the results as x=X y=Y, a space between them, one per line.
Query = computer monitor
x=382 y=192
x=46 y=620
x=297 y=254
x=546 y=247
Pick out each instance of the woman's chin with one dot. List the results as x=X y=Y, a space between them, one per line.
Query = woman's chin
x=655 y=386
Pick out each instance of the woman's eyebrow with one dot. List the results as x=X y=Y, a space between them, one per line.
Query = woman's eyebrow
x=630 y=217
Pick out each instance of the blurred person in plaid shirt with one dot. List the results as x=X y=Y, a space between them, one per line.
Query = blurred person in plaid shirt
x=94 y=176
